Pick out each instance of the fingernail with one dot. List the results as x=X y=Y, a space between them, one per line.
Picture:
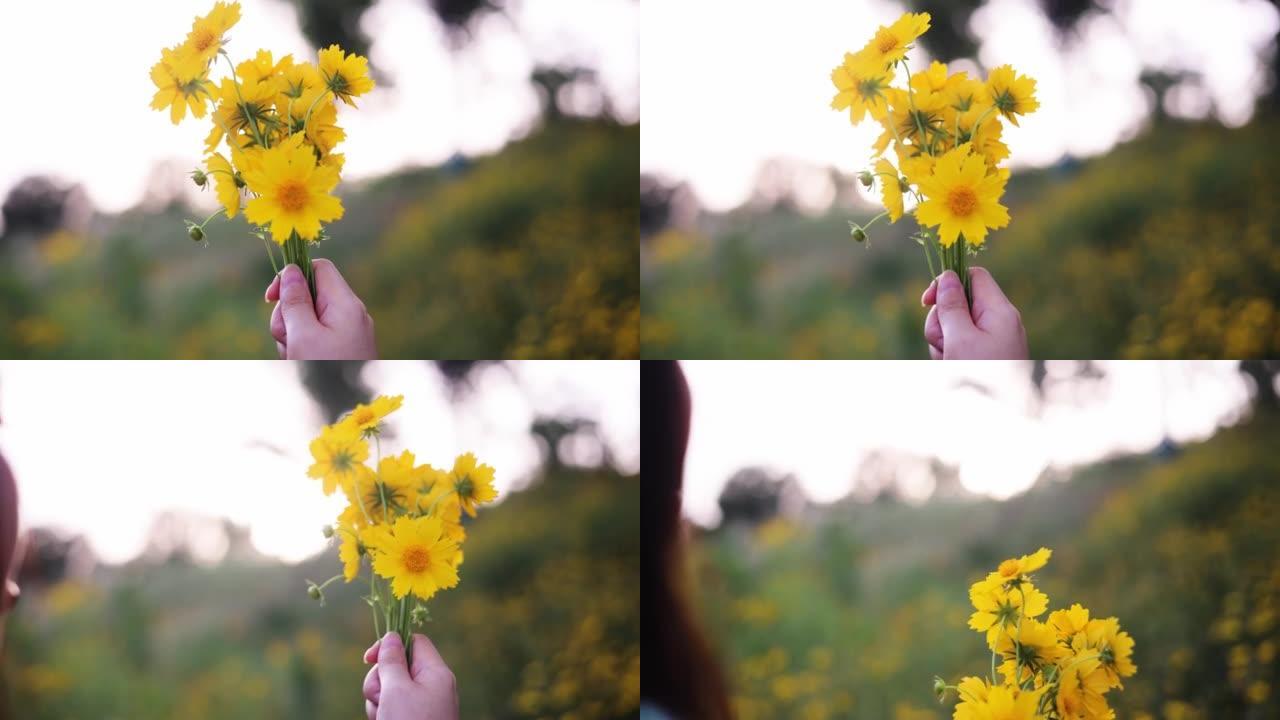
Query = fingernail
x=948 y=281
x=392 y=638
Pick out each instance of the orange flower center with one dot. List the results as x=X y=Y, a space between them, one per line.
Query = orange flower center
x=362 y=416
x=961 y=201
x=1008 y=568
x=886 y=42
x=415 y=558
x=292 y=196
x=203 y=40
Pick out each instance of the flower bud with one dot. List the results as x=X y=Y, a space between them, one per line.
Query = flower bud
x=419 y=615
x=904 y=185
x=239 y=180
x=195 y=232
x=199 y=178
x=866 y=178
x=940 y=688
x=314 y=591
x=327 y=531
x=859 y=235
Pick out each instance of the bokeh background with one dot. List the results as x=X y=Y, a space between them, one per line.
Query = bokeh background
x=1143 y=189
x=173 y=530
x=835 y=530
x=490 y=186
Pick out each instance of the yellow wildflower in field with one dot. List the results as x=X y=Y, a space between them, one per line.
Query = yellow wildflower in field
x=403 y=520
x=946 y=131
x=279 y=121
x=1061 y=669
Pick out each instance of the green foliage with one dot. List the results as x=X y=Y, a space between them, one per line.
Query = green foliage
x=530 y=252
x=1162 y=248
x=544 y=623
x=1182 y=550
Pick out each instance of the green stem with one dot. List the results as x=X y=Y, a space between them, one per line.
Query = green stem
x=296 y=253
x=253 y=122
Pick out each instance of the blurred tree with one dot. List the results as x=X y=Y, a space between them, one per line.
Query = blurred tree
x=36 y=205
x=336 y=386
x=755 y=494
x=459 y=375
x=326 y=22
x=1263 y=374
x=551 y=432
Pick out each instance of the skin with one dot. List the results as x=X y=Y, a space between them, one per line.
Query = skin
x=991 y=330
x=10 y=544
x=392 y=691
x=336 y=327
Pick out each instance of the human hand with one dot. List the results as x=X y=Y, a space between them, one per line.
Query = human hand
x=337 y=327
x=991 y=331
x=427 y=691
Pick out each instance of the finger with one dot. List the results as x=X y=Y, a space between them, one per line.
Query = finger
x=273 y=289
x=987 y=295
x=933 y=329
x=372 y=686
x=935 y=353
x=371 y=710
x=425 y=656
x=282 y=351
x=277 y=326
x=371 y=655
x=953 y=309
x=930 y=295
x=331 y=288
x=295 y=302
x=391 y=663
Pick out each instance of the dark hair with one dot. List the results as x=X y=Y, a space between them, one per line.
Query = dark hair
x=681 y=673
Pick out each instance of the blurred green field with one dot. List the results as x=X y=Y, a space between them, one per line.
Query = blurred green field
x=544 y=624
x=851 y=611
x=529 y=252
x=1163 y=248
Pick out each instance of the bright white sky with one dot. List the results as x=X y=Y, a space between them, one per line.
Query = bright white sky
x=818 y=420
x=85 y=115
x=100 y=448
x=730 y=84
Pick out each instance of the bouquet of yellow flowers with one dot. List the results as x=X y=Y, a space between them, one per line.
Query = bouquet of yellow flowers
x=405 y=519
x=945 y=129
x=1061 y=669
x=279 y=121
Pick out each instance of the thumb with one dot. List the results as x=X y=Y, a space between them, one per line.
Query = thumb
x=391 y=663
x=295 y=302
x=953 y=309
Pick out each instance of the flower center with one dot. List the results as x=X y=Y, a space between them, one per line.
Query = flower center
x=363 y=415
x=464 y=487
x=342 y=461
x=415 y=558
x=203 y=40
x=961 y=201
x=886 y=42
x=292 y=196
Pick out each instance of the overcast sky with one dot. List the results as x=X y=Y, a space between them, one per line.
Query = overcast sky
x=78 y=107
x=729 y=85
x=818 y=420
x=100 y=448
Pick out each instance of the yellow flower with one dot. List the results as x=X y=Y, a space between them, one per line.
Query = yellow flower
x=1066 y=623
x=1113 y=646
x=1010 y=93
x=293 y=193
x=390 y=492
x=860 y=84
x=1028 y=648
x=473 y=483
x=299 y=78
x=243 y=109
x=999 y=609
x=368 y=418
x=1081 y=689
x=224 y=183
x=890 y=189
x=964 y=93
x=263 y=68
x=1014 y=568
x=1001 y=703
x=206 y=37
x=962 y=198
x=347 y=76
x=339 y=455
x=180 y=85
x=350 y=549
x=891 y=42
x=414 y=555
